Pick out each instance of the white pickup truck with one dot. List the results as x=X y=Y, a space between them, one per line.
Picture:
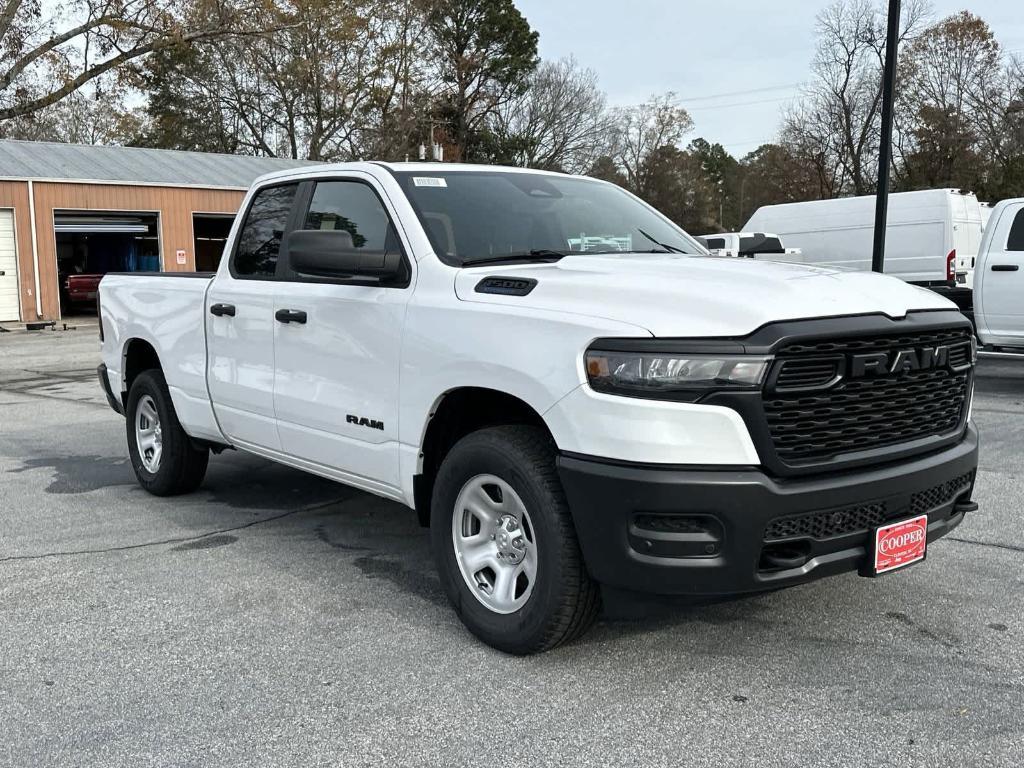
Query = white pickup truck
x=748 y=245
x=569 y=391
x=999 y=279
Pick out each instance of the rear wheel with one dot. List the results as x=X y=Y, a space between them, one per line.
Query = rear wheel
x=505 y=544
x=165 y=460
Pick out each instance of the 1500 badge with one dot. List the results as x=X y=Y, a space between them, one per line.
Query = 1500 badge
x=362 y=421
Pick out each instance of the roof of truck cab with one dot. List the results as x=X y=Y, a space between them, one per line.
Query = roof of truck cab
x=453 y=167
x=425 y=168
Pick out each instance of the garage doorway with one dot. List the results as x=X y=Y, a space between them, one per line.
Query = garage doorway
x=210 y=234
x=91 y=244
x=9 y=304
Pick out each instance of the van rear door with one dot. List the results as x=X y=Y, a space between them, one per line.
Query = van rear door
x=966 y=235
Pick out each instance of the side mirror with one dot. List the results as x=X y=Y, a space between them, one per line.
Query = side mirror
x=331 y=253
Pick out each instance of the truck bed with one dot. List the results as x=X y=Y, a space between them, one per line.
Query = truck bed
x=167 y=311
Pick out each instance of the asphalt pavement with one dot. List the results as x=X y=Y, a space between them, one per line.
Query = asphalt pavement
x=273 y=618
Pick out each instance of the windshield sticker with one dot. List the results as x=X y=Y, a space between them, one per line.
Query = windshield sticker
x=429 y=181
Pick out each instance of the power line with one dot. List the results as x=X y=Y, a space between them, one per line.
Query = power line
x=740 y=104
x=710 y=97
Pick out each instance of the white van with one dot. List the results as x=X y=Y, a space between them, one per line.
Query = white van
x=927 y=232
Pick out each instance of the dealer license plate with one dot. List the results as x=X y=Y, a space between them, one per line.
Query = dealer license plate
x=900 y=544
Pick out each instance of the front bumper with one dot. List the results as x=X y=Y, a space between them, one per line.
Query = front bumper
x=712 y=532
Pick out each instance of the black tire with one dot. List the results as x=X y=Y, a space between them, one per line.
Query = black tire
x=182 y=464
x=565 y=600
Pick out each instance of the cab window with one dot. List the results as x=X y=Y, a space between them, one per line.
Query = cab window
x=1016 y=241
x=259 y=240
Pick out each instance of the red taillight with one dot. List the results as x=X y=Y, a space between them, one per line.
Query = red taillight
x=951 y=265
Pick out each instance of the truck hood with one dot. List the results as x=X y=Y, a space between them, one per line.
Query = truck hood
x=697 y=296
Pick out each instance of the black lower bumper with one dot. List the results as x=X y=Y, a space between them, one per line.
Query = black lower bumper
x=112 y=401
x=724 y=532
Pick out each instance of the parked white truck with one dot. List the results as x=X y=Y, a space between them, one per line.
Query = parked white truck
x=643 y=417
x=748 y=245
x=999 y=279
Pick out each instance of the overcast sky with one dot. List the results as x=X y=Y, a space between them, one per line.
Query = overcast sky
x=751 y=55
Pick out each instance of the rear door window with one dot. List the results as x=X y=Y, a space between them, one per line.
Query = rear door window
x=259 y=240
x=1016 y=241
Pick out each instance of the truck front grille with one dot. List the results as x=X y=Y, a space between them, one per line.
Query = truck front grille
x=817 y=410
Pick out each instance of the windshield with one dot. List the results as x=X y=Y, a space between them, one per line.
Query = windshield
x=472 y=217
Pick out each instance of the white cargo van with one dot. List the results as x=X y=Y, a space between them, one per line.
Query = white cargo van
x=927 y=232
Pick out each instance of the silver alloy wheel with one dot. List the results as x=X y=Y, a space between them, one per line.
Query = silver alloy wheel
x=495 y=543
x=148 y=435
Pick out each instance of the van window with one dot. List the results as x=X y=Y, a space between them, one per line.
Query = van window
x=715 y=243
x=1016 y=241
x=260 y=238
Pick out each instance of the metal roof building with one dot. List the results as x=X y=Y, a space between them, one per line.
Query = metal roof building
x=78 y=162
x=70 y=213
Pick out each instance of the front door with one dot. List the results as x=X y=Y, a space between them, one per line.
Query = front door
x=1003 y=283
x=338 y=346
x=240 y=323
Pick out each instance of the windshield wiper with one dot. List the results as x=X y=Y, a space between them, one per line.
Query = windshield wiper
x=541 y=255
x=668 y=248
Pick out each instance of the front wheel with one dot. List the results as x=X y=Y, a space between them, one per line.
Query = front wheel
x=505 y=544
x=165 y=460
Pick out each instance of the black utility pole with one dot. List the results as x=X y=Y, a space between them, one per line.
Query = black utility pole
x=885 y=148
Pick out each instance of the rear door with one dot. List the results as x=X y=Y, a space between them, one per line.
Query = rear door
x=337 y=367
x=240 y=322
x=1002 y=285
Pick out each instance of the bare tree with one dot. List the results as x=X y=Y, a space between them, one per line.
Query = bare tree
x=95 y=114
x=45 y=56
x=561 y=122
x=644 y=129
x=839 y=112
x=337 y=79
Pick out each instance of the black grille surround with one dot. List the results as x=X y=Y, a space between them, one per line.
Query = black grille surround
x=812 y=417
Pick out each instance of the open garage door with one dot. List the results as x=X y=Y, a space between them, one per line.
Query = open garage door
x=9 y=309
x=91 y=244
x=210 y=231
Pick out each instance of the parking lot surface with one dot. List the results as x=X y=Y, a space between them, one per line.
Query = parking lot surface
x=273 y=618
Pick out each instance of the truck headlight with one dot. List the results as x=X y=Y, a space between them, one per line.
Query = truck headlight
x=672 y=375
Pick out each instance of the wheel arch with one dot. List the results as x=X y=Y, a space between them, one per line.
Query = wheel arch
x=455 y=414
x=137 y=356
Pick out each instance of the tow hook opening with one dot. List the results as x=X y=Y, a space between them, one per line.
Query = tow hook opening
x=785 y=555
